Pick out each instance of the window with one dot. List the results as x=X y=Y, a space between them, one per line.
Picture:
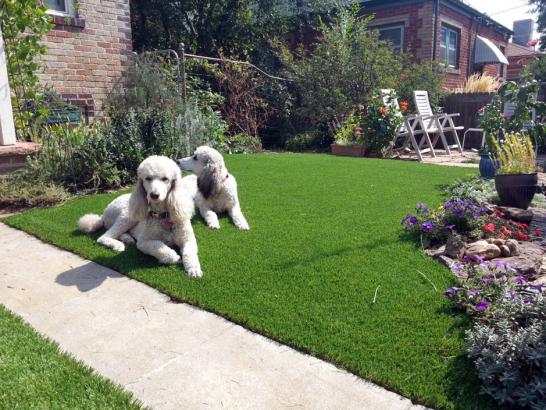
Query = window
x=60 y=7
x=394 y=33
x=449 y=46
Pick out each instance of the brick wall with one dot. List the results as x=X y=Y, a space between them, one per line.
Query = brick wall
x=88 y=53
x=469 y=29
x=418 y=20
x=418 y=23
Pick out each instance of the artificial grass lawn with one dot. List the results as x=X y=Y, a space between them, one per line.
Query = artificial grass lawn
x=325 y=233
x=35 y=374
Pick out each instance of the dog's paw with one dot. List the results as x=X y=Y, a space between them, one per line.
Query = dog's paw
x=214 y=225
x=194 y=272
x=113 y=244
x=243 y=226
x=170 y=258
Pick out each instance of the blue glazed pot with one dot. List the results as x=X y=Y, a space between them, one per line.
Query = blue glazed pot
x=488 y=168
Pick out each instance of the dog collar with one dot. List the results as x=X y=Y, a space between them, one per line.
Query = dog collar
x=164 y=219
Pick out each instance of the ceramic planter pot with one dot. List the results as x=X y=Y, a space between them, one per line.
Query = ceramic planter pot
x=488 y=167
x=348 y=150
x=516 y=190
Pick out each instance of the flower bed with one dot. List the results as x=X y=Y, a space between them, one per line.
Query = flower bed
x=507 y=341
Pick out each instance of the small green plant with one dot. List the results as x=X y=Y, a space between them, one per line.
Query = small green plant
x=380 y=123
x=516 y=154
x=350 y=130
x=18 y=191
x=491 y=121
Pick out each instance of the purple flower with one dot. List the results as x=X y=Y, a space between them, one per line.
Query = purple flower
x=474 y=292
x=476 y=216
x=486 y=280
x=479 y=259
x=458 y=212
x=529 y=299
x=458 y=267
x=423 y=208
x=450 y=227
x=413 y=220
x=448 y=204
x=451 y=292
x=511 y=295
x=520 y=280
x=467 y=259
x=482 y=306
x=501 y=265
x=428 y=226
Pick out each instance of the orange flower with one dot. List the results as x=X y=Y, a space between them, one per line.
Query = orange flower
x=404 y=105
x=383 y=111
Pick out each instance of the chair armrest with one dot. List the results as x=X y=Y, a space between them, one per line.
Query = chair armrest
x=451 y=115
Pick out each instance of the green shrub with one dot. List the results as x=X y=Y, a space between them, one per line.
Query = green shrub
x=422 y=76
x=509 y=350
x=304 y=141
x=347 y=64
x=19 y=191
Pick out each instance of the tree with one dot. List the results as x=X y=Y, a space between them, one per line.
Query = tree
x=208 y=26
x=540 y=9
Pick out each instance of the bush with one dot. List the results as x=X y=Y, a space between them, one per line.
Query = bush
x=422 y=76
x=349 y=63
x=477 y=190
x=304 y=141
x=18 y=191
x=508 y=340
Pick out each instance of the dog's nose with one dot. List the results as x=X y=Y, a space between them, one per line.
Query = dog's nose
x=154 y=196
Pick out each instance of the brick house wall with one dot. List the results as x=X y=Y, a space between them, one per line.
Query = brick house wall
x=418 y=20
x=88 y=53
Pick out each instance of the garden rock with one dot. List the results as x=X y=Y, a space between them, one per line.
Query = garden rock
x=435 y=253
x=529 y=262
x=483 y=249
x=455 y=247
x=517 y=214
x=505 y=251
x=513 y=245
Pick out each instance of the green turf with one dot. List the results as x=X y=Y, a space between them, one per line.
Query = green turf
x=35 y=375
x=325 y=233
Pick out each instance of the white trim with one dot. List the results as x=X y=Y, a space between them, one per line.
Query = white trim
x=395 y=25
x=488 y=53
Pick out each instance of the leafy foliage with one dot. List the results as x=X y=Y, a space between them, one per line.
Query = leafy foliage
x=420 y=76
x=24 y=23
x=348 y=63
x=540 y=10
x=18 y=191
x=516 y=154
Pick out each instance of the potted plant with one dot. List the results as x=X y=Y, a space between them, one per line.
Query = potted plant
x=348 y=135
x=516 y=180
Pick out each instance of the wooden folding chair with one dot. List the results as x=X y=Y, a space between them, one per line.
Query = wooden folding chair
x=437 y=124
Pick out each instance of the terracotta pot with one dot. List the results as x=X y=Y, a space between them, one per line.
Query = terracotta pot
x=516 y=190
x=348 y=150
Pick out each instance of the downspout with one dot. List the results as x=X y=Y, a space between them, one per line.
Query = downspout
x=470 y=62
x=435 y=36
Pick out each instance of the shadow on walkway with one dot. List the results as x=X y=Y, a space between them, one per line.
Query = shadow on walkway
x=86 y=277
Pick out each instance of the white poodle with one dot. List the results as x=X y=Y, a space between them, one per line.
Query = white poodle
x=157 y=215
x=216 y=189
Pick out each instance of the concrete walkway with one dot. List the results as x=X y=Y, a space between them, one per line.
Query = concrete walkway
x=170 y=355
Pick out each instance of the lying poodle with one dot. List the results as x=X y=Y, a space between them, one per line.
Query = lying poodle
x=156 y=215
x=216 y=188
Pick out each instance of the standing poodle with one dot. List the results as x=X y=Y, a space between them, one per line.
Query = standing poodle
x=216 y=188
x=157 y=215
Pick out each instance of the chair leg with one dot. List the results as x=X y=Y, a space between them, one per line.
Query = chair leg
x=416 y=148
x=457 y=141
x=443 y=137
x=426 y=137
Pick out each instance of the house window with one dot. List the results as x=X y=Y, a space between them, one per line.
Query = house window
x=393 y=33
x=449 y=46
x=60 y=7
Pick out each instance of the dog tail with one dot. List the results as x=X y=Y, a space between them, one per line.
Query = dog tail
x=90 y=223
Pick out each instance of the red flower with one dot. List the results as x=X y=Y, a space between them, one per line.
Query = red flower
x=404 y=105
x=520 y=236
x=358 y=132
x=502 y=236
x=481 y=110
x=383 y=111
x=488 y=228
x=500 y=214
x=538 y=232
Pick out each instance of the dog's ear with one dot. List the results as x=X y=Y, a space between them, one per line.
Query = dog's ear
x=176 y=199
x=138 y=205
x=208 y=181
